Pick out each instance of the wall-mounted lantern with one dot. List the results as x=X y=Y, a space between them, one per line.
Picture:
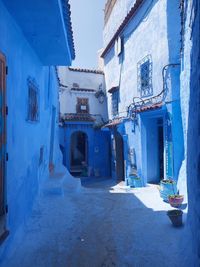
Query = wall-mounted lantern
x=100 y=95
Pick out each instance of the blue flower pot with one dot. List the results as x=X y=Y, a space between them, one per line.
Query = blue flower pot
x=134 y=181
x=167 y=188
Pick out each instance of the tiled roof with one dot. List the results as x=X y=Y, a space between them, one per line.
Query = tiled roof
x=86 y=70
x=83 y=90
x=77 y=117
x=68 y=24
x=117 y=121
x=149 y=108
x=127 y=19
x=113 y=123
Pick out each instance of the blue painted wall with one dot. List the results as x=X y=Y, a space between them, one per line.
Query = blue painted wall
x=190 y=103
x=98 y=146
x=140 y=37
x=24 y=139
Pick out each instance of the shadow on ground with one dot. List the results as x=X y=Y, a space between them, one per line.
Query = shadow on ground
x=111 y=228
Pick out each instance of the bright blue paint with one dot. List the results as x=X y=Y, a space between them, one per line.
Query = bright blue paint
x=140 y=37
x=24 y=139
x=189 y=175
x=96 y=139
x=45 y=31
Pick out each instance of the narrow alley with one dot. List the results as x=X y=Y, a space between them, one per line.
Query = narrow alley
x=100 y=224
x=99 y=133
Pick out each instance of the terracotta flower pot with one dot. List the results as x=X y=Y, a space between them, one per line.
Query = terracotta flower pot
x=175 y=217
x=176 y=200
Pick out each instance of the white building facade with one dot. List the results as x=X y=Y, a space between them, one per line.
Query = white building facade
x=142 y=72
x=83 y=110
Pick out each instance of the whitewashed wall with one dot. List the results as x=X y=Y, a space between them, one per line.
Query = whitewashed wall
x=120 y=10
x=68 y=98
x=146 y=34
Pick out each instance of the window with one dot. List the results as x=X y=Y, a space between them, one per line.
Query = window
x=115 y=102
x=82 y=105
x=120 y=45
x=41 y=157
x=145 y=77
x=33 y=101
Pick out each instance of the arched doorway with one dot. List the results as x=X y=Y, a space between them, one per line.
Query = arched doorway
x=78 y=153
x=119 y=150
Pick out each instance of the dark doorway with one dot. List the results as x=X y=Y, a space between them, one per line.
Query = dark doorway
x=153 y=150
x=161 y=148
x=79 y=154
x=119 y=150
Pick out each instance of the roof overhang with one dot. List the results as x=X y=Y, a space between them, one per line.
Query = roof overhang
x=121 y=28
x=113 y=89
x=46 y=25
x=113 y=123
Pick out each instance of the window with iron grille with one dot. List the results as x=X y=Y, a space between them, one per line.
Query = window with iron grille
x=145 y=77
x=82 y=105
x=115 y=102
x=33 y=101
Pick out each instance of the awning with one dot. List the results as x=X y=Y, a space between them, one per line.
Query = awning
x=46 y=24
x=113 y=123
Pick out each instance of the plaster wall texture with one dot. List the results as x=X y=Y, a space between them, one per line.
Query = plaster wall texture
x=154 y=31
x=141 y=39
x=190 y=95
x=24 y=139
x=68 y=98
x=185 y=79
x=98 y=143
x=120 y=10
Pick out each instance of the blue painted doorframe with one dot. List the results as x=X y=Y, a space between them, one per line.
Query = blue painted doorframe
x=150 y=145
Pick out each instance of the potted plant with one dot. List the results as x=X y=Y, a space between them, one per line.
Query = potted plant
x=176 y=217
x=134 y=181
x=131 y=181
x=175 y=200
x=167 y=187
x=137 y=182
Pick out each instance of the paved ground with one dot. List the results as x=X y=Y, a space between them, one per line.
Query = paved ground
x=100 y=225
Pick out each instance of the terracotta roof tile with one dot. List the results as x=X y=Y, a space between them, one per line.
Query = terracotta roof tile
x=149 y=108
x=127 y=19
x=113 y=123
x=77 y=117
x=86 y=70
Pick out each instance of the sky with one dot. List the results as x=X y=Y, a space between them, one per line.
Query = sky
x=87 y=22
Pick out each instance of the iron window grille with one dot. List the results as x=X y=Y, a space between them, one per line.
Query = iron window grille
x=145 y=77
x=33 y=101
x=115 y=102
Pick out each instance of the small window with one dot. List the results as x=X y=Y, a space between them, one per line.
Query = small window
x=145 y=77
x=82 y=105
x=33 y=101
x=75 y=85
x=41 y=158
x=115 y=102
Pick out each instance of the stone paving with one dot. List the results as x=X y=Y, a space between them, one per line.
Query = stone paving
x=102 y=224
